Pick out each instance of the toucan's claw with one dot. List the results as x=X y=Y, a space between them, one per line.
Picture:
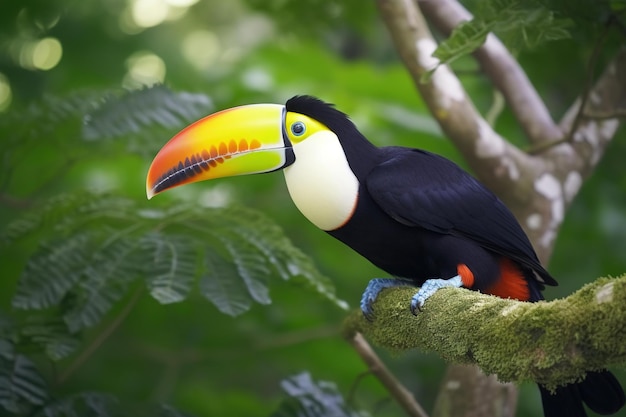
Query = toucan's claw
x=429 y=287
x=374 y=287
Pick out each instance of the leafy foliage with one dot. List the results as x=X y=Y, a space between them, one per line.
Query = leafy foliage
x=519 y=24
x=139 y=112
x=102 y=244
x=97 y=247
x=21 y=384
x=135 y=115
x=308 y=398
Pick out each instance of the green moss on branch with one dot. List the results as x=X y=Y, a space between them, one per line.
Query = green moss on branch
x=548 y=342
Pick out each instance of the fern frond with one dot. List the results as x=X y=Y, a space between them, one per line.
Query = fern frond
x=220 y=284
x=45 y=218
x=520 y=25
x=92 y=404
x=42 y=117
x=52 y=335
x=51 y=272
x=104 y=243
x=105 y=278
x=251 y=266
x=171 y=266
x=310 y=398
x=278 y=251
x=135 y=111
x=21 y=384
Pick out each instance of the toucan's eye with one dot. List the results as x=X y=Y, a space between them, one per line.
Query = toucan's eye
x=298 y=128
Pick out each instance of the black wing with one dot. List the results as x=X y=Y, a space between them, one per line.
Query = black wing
x=418 y=188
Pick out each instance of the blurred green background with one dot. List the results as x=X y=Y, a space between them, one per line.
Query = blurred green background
x=239 y=52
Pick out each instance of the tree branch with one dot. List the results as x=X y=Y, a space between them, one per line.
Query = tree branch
x=378 y=368
x=503 y=70
x=551 y=343
x=497 y=162
x=589 y=135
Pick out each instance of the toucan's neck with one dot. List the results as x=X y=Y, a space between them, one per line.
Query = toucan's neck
x=321 y=182
x=361 y=154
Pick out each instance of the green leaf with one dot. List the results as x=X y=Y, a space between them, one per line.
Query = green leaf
x=464 y=39
x=529 y=28
x=20 y=384
x=251 y=266
x=96 y=404
x=7 y=349
x=52 y=335
x=171 y=268
x=289 y=262
x=105 y=277
x=221 y=285
x=103 y=243
x=51 y=272
x=307 y=398
x=520 y=25
x=138 y=110
x=84 y=404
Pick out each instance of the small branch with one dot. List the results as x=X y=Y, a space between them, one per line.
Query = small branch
x=503 y=70
x=591 y=135
x=551 y=343
x=591 y=68
x=600 y=115
x=402 y=395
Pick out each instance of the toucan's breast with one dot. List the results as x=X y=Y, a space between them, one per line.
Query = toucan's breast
x=320 y=181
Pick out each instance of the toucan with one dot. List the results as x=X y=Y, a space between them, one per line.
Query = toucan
x=414 y=214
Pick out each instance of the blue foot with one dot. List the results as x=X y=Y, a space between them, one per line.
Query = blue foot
x=374 y=287
x=429 y=287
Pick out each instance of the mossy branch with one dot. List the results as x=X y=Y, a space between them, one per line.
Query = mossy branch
x=551 y=343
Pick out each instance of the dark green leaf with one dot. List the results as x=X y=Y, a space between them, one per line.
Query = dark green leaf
x=52 y=335
x=105 y=278
x=171 y=266
x=308 y=398
x=137 y=110
x=520 y=25
x=103 y=243
x=51 y=272
x=251 y=266
x=287 y=260
x=22 y=381
x=464 y=39
x=85 y=404
x=222 y=285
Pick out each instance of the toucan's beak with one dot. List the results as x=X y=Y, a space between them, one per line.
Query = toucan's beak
x=242 y=140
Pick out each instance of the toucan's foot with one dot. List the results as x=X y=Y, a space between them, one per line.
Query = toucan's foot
x=374 y=287
x=429 y=287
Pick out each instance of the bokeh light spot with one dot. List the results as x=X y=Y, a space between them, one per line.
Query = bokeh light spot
x=5 y=93
x=181 y=3
x=201 y=48
x=47 y=53
x=144 y=68
x=149 y=13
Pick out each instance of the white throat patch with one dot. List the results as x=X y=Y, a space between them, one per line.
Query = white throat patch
x=320 y=181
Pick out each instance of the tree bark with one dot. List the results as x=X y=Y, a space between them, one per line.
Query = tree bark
x=537 y=184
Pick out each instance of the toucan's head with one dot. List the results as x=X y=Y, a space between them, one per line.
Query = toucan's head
x=306 y=136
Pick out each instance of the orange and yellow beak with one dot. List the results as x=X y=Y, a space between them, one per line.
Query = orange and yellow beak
x=243 y=140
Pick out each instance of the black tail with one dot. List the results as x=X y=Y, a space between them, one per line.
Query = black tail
x=600 y=391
